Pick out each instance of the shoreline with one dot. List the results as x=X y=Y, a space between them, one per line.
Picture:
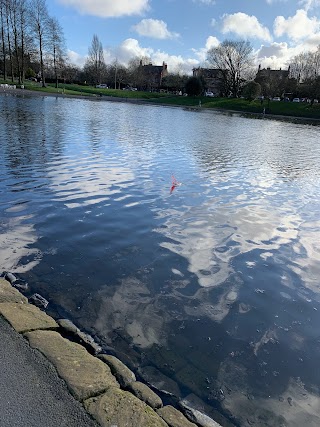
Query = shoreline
x=303 y=120
x=107 y=389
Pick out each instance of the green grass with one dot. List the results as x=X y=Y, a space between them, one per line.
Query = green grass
x=240 y=105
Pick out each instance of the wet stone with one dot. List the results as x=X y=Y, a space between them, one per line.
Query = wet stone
x=21 y=285
x=122 y=409
x=123 y=374
x=89 y=342
x=10 y=277
x=39 y=300
x=196 y=415
x=144 y=393
x=67 y=325
x=84 y=338
x=174 y=418
x=159 y=381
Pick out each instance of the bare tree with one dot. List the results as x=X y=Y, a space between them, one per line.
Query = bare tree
x=56 y=47
x=234 y=60
x=3 y=37
x=39 y=23
x=95 y=64
x=17 y=11
x=305 y=66
x=9 y=37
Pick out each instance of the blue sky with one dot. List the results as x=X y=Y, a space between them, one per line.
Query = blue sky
x=180 y=32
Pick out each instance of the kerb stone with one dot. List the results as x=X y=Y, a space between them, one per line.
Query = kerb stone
x=26 y=317
x=120 y=408
x=9 y=294
x=174 y=418
x=85 y=375
x=123 y=374
x=144 y=393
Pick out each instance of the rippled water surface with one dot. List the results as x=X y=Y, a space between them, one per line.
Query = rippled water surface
x=211 y=292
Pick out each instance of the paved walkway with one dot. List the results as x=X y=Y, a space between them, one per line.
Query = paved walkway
x=31 y=393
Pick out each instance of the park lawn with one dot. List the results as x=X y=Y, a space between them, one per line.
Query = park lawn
x=118 y=93
x=243 y=105
x=231 y=104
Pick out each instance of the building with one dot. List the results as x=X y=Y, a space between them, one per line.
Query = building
x=153 y=75
x=212 y=78
x=273 y=82
x=268 y=74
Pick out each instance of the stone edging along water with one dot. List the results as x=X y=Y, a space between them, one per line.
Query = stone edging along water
x=106 y=387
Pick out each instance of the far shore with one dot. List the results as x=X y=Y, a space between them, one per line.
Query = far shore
x=198 y=108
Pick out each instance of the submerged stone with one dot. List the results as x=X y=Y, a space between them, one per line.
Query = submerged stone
x=39 y=300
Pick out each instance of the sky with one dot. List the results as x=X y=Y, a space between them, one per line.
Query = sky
x=180 y=32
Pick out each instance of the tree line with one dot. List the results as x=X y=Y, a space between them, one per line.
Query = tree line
x=239 y=76
x=32 y=44
x=30 y=38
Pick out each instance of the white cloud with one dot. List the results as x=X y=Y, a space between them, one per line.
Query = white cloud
x=309 y=4
x=154 y=28
x=207 y=2
x=211 y=42
x=275 y=56
x=108 y=8
x=278 y=55
x=201 y=54
x=296 y=27
x=75 y=58
x=130 y=48
x=244 y=25
x=274 y=1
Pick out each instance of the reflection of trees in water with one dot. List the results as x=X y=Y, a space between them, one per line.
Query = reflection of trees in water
x=32 y=134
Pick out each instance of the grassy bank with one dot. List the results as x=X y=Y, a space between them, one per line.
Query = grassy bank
x=242 y=105
x=303 y=110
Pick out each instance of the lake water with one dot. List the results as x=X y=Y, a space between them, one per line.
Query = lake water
x=212 y=292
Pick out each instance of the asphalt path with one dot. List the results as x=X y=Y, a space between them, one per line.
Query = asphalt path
x=31 y=393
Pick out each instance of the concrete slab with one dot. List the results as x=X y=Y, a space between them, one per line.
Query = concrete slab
x=85 y=375
x=26 y=317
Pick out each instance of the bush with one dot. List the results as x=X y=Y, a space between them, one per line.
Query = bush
x=194 y=86
x=251 y=90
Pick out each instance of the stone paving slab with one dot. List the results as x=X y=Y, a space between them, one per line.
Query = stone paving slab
x=26 y=317
x=9 y=294
x=85 y=374
x=120 y=408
